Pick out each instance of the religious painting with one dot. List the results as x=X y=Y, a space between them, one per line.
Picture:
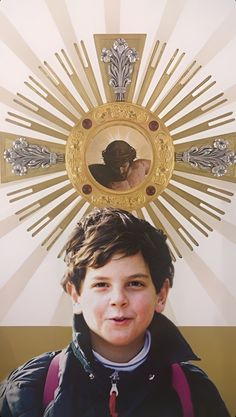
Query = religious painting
x=119 y=158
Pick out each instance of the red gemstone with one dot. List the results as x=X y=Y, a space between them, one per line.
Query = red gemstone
x=153 y=125
x=87 y=123
x=87 y=189
x=150 y=190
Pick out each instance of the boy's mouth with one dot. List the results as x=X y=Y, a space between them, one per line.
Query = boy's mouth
x=120 y=319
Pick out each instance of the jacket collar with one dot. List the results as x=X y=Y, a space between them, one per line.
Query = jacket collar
x=168 y=345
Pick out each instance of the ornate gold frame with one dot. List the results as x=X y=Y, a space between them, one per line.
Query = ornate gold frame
x=133 y=116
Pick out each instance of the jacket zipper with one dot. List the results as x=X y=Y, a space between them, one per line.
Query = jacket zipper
x=113 y=394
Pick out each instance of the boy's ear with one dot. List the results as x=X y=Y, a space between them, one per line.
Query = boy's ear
x=71 y=290
x=162 y=296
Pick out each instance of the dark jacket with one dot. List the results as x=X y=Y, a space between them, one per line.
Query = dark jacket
x=85 y=384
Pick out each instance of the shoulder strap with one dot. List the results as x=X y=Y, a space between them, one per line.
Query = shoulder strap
x=181 y=386
x=52 y=380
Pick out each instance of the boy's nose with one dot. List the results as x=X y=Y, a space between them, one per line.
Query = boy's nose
x=118 y=298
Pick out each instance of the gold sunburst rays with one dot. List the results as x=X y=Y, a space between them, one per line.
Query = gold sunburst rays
x=71 y=73
x=37 y=127
x=195 y=93
x=42 y=92
x=74 y=77
x=198 y=111
x=183 y=80
x=153 y=63
x=159 y=225
x=52 y=214
x=42 y=202
x=199 y=202
x=35 y=188
x=165 y=77
x=86 y=64
x=51 y=75
x=204 y=126
x=45 y=114
x=186 y=204
x=176 y=224
x=178 y=200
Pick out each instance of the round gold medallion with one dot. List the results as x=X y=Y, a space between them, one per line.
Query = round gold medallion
x=121 y=155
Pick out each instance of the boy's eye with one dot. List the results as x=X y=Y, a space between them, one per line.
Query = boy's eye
x=135 y=284
x=100 y=285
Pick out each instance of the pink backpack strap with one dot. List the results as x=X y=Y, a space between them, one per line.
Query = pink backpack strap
x=181 y=386
x=52 y=380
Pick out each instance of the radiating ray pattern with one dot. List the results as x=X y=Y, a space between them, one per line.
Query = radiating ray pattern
x=164 y=79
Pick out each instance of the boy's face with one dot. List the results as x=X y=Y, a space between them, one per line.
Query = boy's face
x=118 y=301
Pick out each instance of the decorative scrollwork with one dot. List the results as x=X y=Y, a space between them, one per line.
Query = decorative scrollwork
x=116 y=111
x=125 y=202
x=217 y=157
x=23 y=156
x=121 y=59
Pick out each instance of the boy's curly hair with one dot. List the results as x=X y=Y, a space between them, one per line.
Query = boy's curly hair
x=106 y=231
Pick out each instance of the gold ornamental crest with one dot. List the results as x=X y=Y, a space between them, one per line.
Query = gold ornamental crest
x=138 y=143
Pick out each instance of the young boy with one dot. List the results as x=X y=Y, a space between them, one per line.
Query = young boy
x=120 y=362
